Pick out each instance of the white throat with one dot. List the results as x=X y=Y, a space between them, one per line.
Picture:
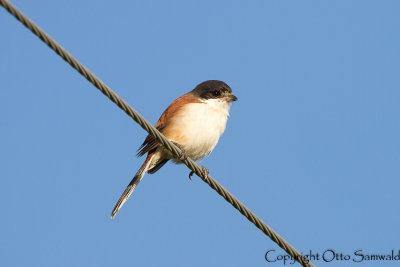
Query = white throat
x=219 y=105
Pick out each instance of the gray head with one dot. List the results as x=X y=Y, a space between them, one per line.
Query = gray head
x=214 y=89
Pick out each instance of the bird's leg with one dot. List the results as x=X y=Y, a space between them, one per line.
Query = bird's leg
x=204 y=171
x=184 y=155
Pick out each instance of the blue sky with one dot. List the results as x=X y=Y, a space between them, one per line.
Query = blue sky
x=312 y=146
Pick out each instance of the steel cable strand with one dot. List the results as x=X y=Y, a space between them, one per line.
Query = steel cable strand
x=154 y=132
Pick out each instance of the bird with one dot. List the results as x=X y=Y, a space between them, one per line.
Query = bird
x=194 y=122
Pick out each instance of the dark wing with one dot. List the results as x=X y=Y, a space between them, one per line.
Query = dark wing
x=158 y=166
x=150 y=143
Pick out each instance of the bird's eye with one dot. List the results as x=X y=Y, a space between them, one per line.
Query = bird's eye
x=216 y=93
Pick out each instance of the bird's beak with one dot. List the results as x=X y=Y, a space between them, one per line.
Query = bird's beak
x=232 y=98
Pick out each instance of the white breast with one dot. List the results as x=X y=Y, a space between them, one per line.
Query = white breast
x=200 y=126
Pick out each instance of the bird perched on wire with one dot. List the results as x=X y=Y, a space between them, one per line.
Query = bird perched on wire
x=194 y=122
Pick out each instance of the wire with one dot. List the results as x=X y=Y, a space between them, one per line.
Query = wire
x=154 y=132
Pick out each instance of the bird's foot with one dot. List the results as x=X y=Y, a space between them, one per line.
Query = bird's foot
x=204 y=171
x=184 y=155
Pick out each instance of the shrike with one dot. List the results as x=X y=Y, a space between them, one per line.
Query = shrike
x=194 y=122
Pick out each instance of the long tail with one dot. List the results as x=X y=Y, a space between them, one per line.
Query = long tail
x=129 y=189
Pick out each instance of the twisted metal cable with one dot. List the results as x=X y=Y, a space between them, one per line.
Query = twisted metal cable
x=154 y=132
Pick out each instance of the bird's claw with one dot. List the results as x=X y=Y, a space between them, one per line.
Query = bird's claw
x=184 y=155
x=204 y=171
